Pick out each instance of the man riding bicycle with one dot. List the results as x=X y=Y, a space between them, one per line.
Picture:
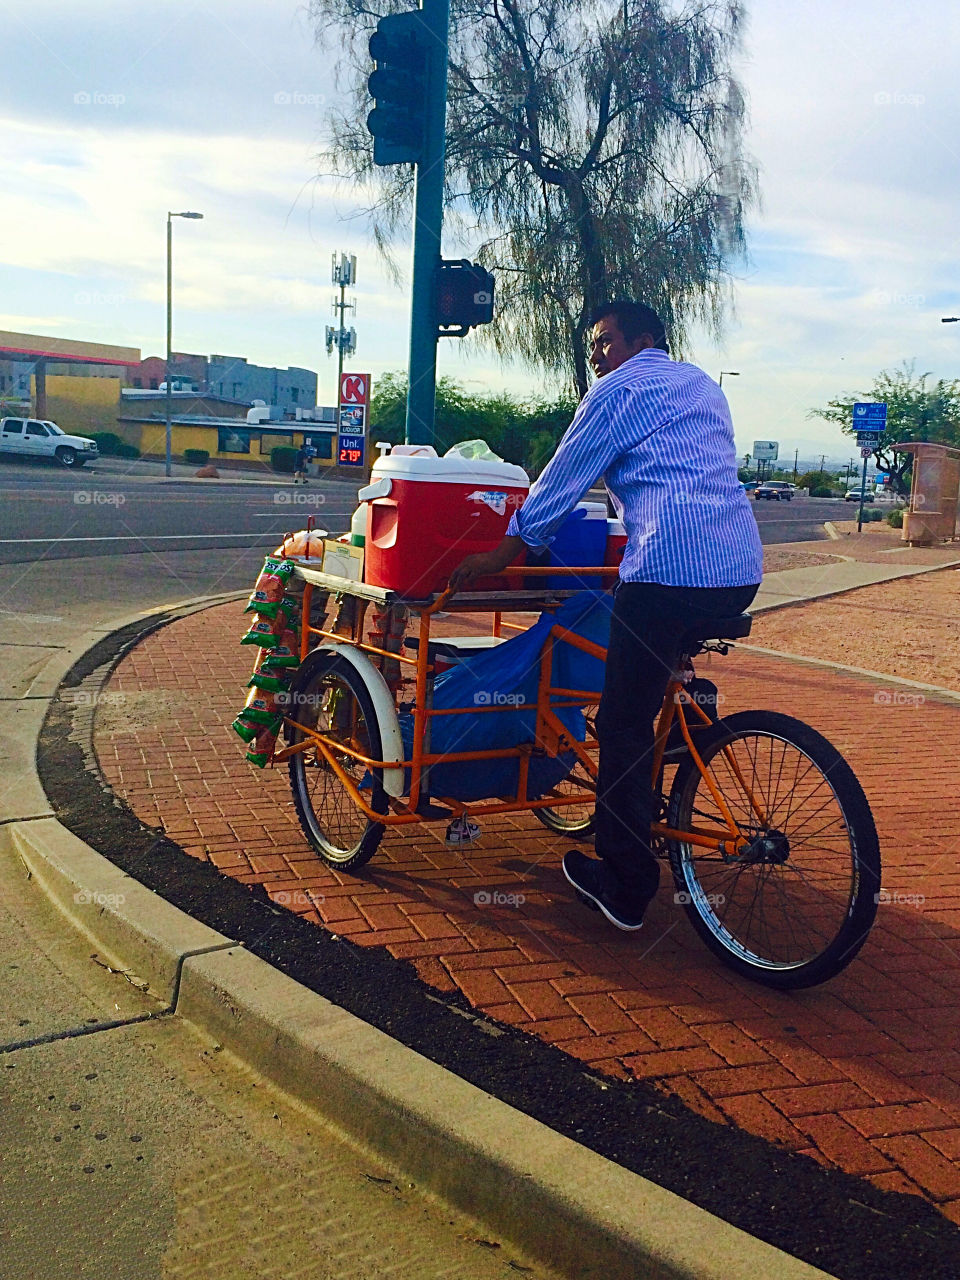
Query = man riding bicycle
x=659 y=432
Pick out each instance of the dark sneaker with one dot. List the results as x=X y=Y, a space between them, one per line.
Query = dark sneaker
x=592 y=882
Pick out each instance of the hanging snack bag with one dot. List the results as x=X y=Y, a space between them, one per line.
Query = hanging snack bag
x=262 y=633
x=269 y=589
x=261 y=707
x=270 y=682
x=245 y=729
x=284 y=654
x=264 y=746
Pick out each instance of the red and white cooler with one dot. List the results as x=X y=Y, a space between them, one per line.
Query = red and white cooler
x=425 y=514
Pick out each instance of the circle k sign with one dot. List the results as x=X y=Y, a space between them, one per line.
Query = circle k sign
x=354 y=388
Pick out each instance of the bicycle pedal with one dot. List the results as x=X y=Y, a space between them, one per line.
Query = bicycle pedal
x=462 y=831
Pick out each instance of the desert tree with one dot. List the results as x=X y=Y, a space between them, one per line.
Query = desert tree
x=593 y=150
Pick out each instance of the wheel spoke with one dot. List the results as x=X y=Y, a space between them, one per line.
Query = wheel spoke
x=790 y=895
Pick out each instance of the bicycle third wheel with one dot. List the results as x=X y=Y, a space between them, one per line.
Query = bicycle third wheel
x=329 y=695
x=796 y=904
x=572 y=820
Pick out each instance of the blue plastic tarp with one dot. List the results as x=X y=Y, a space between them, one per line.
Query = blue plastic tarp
x=507 y=676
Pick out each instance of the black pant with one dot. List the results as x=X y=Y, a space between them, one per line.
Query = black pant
x=645 y=632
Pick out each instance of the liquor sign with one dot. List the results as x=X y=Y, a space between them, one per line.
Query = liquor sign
x=352 y=419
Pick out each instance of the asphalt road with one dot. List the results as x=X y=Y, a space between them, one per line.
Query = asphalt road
x=82 y=549
x=49 y=514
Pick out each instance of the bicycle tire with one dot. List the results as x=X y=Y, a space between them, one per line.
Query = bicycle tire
x=575 y=821
x=343 y=836
x=835 y=909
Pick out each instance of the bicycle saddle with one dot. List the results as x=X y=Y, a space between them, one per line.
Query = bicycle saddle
x=719 y=629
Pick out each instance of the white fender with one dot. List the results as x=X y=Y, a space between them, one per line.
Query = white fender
x=383 y=705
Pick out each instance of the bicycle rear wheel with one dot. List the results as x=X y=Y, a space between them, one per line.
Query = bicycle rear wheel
x=796 y=905
x=329 y=695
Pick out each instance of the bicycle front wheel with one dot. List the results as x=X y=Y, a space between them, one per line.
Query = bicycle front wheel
x=796 y=904
x=328 y=695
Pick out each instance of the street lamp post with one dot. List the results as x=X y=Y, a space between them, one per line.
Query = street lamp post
x=729 y=373
x=169 y=397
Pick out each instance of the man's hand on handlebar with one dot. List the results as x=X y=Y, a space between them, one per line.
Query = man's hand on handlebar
x=485 y=564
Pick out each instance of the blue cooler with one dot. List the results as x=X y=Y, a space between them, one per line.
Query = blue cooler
x=580 y=540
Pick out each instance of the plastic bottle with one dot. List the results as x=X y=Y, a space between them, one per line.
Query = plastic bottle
x=358 y=526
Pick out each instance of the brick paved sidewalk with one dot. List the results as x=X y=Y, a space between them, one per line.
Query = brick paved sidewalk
x=863 y=1073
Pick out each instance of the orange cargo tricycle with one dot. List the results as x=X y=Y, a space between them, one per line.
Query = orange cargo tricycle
x=768 y=834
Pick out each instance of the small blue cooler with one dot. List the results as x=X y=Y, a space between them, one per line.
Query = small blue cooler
x=580 y=540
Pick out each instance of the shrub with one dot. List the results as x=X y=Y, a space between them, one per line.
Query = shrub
x=821 y=492
x=196 y=457
x=283 y=458
x=875 y=515
x=895 y=518
x=111 y=446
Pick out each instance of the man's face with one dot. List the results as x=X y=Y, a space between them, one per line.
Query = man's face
x=609 y=348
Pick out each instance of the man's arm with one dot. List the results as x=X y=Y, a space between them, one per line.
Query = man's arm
x=589 y=445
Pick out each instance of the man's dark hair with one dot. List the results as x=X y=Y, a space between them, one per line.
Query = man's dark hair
x=633 y=319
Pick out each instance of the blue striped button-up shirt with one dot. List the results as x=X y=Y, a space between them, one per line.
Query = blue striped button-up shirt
x=660 y=434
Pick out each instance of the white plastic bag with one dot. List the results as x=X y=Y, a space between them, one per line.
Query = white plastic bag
x=474 y=450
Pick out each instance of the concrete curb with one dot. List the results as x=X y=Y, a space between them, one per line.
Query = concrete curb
x=907 y=571
x=590 y=1217
x=132 y=927
x=554 y=1200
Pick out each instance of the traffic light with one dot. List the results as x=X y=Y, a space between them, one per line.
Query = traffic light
x=464 y=297
x=400 y=48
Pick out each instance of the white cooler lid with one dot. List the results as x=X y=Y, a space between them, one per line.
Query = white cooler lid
x=594 y=510
x=451 y=470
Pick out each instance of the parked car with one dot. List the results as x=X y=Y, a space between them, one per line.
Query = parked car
x=853 y=494
x=34 y=438
x=774 y=491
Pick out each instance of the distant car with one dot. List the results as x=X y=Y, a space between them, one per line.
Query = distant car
x=774 y=491
x=36 y=438
x=853 y=494
x=748 y=486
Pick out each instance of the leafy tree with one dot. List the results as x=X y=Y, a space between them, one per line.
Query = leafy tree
x=816 y=480
x=592 y=150
x=915 y=411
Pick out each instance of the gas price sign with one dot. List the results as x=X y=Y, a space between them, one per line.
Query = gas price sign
x=352 y=426
x=350 y=451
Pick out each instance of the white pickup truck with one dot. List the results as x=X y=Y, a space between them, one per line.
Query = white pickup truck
x=40 y=439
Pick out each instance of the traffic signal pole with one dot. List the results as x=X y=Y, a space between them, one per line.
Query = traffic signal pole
x=427 y=226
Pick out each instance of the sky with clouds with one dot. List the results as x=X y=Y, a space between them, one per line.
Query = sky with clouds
x=112 y=113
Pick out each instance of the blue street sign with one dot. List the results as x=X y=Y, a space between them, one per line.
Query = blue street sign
x=869 y=417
